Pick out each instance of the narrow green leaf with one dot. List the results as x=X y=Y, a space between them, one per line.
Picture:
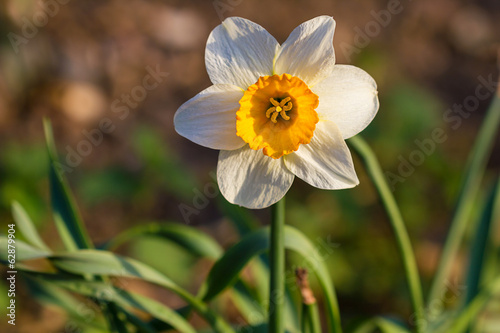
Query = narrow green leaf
x=26 y=227
x=109 y=294
x=251 y=310
x=66 y=216
x=225 y=271
x=298 y=242
x=310 y=318
x=465 y=317
x=23 y=251
x=106 y=263
x=49 y=293
x=478 y=248
x=194 y=241
x=474 y=171
x=138 y=323
x=398 y=226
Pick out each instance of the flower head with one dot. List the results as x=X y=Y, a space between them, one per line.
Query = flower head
x=278 y=111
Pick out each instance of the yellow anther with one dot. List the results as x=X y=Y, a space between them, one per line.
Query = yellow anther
x=284 y=101
x=284 y=115
x=270 y=111
x=274 y=102
x=274 y=116
x=279 y=109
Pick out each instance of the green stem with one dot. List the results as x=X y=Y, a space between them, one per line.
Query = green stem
x=310 y=318
x=470 y=186
x=403 y=240
x=277 y=267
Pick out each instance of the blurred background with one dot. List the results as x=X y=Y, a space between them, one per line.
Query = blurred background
x=83 y=64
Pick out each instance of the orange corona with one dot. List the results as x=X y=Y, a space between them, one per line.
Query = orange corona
x=277 y=114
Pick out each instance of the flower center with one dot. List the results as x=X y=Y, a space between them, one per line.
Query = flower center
x=279 y=108
x=277 y=114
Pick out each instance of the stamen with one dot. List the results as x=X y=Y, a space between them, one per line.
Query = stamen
x=287 y=107
x=274 y=102
x=279 y=109
x=270 y=111
x=284 y=101
x=274 y=116
x=284 y=115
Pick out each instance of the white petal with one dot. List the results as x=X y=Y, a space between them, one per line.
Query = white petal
x=348 y=97
x=325 y=162
x=308 y=52
x=238 y=52
x=209 y=118
x=251 y=179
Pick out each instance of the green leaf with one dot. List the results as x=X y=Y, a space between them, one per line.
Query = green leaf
x=251 y=310
x=189 y=238
x=108 y=293
x=474 y=171
x=24 y=251
x=296 y=241
x=26 y=227
x=66 y=216
x=310 y=318
x=49 y=293
x=465 y=317
x=398 y=226
x=106 y=263
x=480 y=242
x=225 y=271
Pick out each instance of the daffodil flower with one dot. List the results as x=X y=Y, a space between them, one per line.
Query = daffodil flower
x=278 y=111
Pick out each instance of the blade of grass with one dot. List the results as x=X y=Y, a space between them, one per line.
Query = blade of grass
x=49 y=293
x=310 y=318
x=110 y=294
x=225 y=271
x=403 y=240
x=467 y=315
x=245 y=223
x=475 y=169
x=478 y=248
x=66 y=216
x=26 y=227
x=106 y=263
x=24 y=251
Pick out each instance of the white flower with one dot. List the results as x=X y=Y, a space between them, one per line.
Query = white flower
x=278 y=111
